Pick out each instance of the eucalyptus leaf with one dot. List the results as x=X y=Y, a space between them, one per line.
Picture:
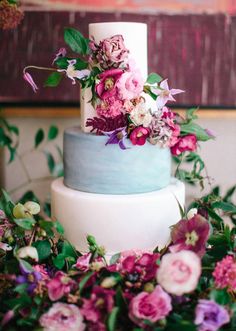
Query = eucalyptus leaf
x=115 y=258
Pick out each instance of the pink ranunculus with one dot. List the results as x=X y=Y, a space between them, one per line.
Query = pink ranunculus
x=139 y=135
x=110 y=107
x=225 y=273
x=106 y=87
x=179 y=272
x=183 y=144
x=59 y=286
x=82 y=263
x=130 y=85
x=114 y=50
x=62 y=317
x=150 y=306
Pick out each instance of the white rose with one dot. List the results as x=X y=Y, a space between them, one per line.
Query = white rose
x=179 y=272
x=141 y=116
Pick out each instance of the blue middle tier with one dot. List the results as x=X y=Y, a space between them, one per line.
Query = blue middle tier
x=90 y=166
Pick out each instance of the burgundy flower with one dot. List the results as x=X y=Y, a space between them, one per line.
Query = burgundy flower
x=139 y=135
x=139 y=268
x=191 y=235
x=183 y=144
x=107 y=86
x=98 y=305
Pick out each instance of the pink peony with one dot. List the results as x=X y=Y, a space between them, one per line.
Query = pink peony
x=82 y=262
x=106 y=87
x=139 y=135
x=191 y=235
x=130 y=85
x=225 y=273
x=113 y=49
x=110 y=107
x=150 y=306
x=59 y=286
x=183 y=144
x=179 y=272
x=62 y=317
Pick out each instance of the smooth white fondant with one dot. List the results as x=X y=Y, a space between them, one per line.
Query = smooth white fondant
x=135 y=38
x=118 y=222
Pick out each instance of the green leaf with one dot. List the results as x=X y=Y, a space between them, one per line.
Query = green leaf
x=225 y=206
x=222 y=297
x=194 y=128
x=84 y=280
x=50 y=161
x=38 y=137
x=112 y=318
x=76 y=41
x=44 y=249
x=25 y=223
x=21 y=289
x=59 y=261
x=154 y=78
x=59 y=227
x=53 y=132
x=229 y=193
x=26 y=265
x=53 y=79
x=69 y=250
x=190 y=114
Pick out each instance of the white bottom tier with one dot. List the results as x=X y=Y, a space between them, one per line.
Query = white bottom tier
x=118 y=222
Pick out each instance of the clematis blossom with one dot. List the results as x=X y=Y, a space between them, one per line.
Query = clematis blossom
x=165 y=94
x=117 y=137
x=72 y=72
x=28 y=78
x=61 y=53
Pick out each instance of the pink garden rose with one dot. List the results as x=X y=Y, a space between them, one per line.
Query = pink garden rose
x=62 y=317
x=106 y=87
x=110 y=107
x=59 y=286
x=179 y=272
x=130 y=85
x=183 y=144
x=139 y=135
x=150 y=306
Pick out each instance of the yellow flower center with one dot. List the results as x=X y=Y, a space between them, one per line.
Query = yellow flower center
x=191 y=238
x=109 y=83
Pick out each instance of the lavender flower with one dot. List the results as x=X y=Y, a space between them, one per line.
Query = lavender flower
x=117 y=137
x=60 y=53
x=72 y=73
x=29 y=277
x=28 y=78
x=210 y=316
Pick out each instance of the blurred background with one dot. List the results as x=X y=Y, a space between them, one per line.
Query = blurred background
x=190 y=42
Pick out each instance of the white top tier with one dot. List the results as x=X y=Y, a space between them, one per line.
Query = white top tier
x=135 y=39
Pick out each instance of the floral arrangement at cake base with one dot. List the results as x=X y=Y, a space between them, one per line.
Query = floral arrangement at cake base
x=46 y=284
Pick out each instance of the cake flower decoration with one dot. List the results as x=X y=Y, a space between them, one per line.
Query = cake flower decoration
x=117 y=137
x=72 y=72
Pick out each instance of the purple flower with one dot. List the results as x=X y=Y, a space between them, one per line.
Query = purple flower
x=29 y=277
x=191 y=235
x=117 y=137
x=210 y=316
x=28 y=78
x=164 y=94
x=60 y=53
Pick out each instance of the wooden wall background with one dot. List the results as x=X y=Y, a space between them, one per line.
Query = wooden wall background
x=195 y=46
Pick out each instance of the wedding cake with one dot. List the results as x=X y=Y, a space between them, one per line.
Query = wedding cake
x=117 y=185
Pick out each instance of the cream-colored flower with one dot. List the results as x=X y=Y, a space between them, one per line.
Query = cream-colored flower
x=28 y=251
x=140 y=115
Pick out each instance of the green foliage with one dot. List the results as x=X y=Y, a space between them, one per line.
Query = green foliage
x=25 y=223
x=76 y=41
x=52 y=132
x=44 y=249
x=9 y=137
x=112 y=319
x=154 y=78
x=196 y=129
x=53 y=79
x=39 y=137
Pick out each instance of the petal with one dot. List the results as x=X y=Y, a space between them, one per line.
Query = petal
x=122 y=145
x=71 y=62
x=161 y=101
x=164 y=85
x=28 y=78
x=174 y=91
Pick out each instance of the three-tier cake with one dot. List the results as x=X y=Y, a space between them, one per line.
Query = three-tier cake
x=125 y=197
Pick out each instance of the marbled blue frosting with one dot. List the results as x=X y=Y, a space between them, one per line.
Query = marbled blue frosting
x=90 y=166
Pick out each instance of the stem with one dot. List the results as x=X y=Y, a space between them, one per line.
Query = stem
x=178 y=166
x=40 y=68
x=32 y=236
